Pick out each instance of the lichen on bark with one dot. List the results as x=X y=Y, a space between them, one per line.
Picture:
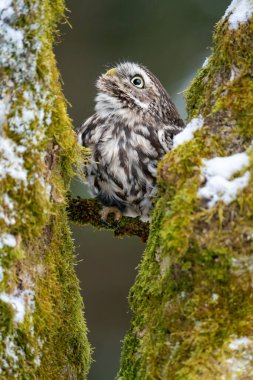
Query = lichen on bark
x=42 y=329
x=192 y=300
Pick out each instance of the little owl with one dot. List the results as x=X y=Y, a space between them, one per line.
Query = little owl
x=132 y=128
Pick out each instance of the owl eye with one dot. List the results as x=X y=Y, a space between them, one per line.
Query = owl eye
x=137 y=81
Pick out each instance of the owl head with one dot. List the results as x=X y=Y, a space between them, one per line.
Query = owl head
x=130 y=90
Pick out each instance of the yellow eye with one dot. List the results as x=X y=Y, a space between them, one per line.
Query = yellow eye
x=137 y=81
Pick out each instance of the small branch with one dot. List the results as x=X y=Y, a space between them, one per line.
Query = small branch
x=87 y=212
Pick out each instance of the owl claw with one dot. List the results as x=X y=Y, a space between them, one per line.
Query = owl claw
x=111 y=210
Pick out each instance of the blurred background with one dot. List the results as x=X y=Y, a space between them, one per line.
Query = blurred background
x=171 y=38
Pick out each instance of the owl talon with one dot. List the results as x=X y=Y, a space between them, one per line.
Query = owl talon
x=111 y=210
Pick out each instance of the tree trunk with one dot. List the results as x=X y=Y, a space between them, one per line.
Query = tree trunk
x=192 y=300
x=42 y=330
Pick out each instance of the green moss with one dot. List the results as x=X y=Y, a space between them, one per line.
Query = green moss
x=88 y=212
x=193 y=293
x=6 y=320
x=50 y=342
x=63 y=322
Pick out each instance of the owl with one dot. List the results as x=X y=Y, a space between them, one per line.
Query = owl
x=131 y=130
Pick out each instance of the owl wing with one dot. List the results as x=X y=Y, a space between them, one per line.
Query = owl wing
x=167 y=121
x=167 y=133
x=90 y=131
x=89 y=134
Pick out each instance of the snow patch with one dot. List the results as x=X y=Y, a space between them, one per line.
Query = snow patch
x=5 y=4
x=24 y=104
x=188 y=133
x=215 y=297
x=234 y=74
x=17 y=52
x=32 y=110
x=20 y=301
x=17 y=304
x=218 y=172
x=28 y=116
x=237 y=343
x=12 y=356
x=8 y=240
x=239 y=363
x=4 y=108
x=7 y=210
x=225 y=166
x=206 y=61
x=11 y=163
x=239 y=366
x=11 y=349
x=8 y=201
x=239 y=12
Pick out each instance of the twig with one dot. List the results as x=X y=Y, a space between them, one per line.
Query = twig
x=87 y=212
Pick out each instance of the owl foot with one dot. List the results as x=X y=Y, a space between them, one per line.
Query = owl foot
x=111 y=210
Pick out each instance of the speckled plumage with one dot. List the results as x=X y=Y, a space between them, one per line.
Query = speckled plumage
x=130 y=132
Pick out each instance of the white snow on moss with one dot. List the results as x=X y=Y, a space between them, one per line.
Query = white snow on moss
x=215 y=297
x=4 y=108
x=5 y=4
x=219 y=185
x=225 y=166
x=239 y=12
x=32 y=110
x=238 y=366
x=7 y=210
x=188 y=133
x=206 y=61
x=24 y=103
x=8 y=240
x=17 y=303
x=24 y=119
x=238 y=357
x=11 y=160
x=21 y=302
x=234 y=74
x=10 y=349
x=13 y=355
x=237 y=343
x=17 y=52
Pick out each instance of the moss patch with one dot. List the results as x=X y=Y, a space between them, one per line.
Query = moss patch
x=193 y=294
x=42 y=327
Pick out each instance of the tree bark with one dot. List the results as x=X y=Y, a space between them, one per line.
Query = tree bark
x=192 y=301
x=88 y=212
x=42 y=329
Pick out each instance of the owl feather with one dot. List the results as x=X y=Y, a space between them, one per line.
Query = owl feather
x=132 y=129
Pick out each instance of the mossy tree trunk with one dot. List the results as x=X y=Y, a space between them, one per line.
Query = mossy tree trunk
x=193 y=300
x=42 y=330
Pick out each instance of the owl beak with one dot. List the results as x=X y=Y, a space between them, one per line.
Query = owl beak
x=111 y=71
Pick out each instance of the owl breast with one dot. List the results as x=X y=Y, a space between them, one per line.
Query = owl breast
x=122 y=170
